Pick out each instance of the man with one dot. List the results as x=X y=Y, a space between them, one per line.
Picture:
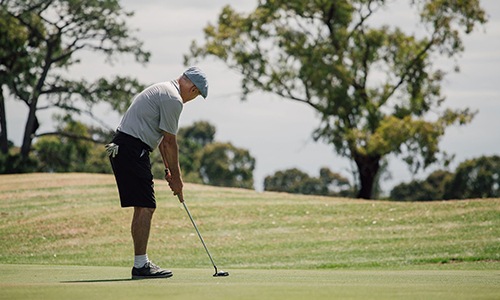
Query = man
x=151 y=121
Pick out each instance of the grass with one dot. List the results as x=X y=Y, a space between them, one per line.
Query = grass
x=69 y=282
x=56 y=222
x=75 y=219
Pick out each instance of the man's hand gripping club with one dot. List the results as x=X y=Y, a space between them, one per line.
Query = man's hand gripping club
x=175 y=184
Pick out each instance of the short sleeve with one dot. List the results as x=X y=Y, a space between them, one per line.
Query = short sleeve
x=170 y=111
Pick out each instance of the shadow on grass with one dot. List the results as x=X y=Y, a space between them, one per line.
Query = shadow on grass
x=98 y=280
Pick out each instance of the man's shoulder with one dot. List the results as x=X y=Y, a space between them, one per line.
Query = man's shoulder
x=171 y=90
x=160 y=87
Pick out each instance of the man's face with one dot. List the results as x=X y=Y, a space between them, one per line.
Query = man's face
x=190 y=92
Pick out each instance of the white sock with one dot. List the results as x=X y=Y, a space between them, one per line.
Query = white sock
x=140 y=260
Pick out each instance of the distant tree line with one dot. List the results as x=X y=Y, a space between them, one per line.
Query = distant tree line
x=295 y=181
x=207 y=161
x=203 y=160
x=473 y=178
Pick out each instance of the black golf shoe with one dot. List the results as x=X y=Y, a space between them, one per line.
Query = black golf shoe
x=150 y=270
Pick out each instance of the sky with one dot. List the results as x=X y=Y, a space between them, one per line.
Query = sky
x=278 y=132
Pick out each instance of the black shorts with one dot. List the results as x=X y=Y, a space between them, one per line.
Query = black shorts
x=132 y=169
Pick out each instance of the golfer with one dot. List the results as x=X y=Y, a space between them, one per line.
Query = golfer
x=151 y=121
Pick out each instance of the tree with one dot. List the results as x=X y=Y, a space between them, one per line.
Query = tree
x=11 y=162
x=191 y=141
x=374 y=86
x=68 y=153
x=334 y=184
x=432 y=188
x=222 y=164
x=42 y=42
x=285 y=181
x=297 y=182
x=475 y=178
x=205 y=161
x=14 y=39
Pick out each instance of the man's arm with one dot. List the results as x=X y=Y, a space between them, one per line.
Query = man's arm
x=170 y=154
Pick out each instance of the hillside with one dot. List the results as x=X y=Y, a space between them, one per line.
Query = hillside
x=75 y=219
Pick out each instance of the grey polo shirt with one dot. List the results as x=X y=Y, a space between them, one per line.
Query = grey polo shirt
x=154 y=110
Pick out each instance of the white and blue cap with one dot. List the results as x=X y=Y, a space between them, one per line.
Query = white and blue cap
x=199 y=79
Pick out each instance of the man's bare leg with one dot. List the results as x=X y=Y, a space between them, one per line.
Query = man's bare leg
x=141 y=225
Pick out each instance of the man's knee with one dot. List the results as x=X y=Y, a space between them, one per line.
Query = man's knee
x=144 y=211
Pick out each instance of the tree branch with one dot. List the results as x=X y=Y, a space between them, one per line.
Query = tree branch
x=408 y=68
x=291 y=97
x=362 y=19
x=328 y=21
x=72 y=136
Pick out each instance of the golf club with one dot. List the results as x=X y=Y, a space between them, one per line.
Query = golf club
x=217 y=273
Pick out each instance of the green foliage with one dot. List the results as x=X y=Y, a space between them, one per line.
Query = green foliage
x=475 y=178
x=12 y=162
x=200 y=133
x=372 y=85
x=54 y=155
x=205 y=161
x=14 y=39
x=97 y=161
x=297 y=182
x=73 y=151
x=191 y=140
x=432 y=188
x=291 y=181
x=41 y=41
x=222 y=164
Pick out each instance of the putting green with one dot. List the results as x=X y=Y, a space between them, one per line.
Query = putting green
x=75 y=282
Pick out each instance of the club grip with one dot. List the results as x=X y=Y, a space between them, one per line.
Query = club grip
x=180 y=197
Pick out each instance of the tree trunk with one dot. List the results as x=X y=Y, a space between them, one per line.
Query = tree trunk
x=32 y=122
x=368 y=167
x=4 y=142
x=29 y=130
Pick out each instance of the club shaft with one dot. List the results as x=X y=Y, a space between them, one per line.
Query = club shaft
x=199 y=235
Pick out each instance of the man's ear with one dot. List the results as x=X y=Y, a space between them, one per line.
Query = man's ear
x=194 y=88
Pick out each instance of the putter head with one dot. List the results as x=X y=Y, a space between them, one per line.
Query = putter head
x=221 y=274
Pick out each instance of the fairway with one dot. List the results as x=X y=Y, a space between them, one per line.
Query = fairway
x=72 y=282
